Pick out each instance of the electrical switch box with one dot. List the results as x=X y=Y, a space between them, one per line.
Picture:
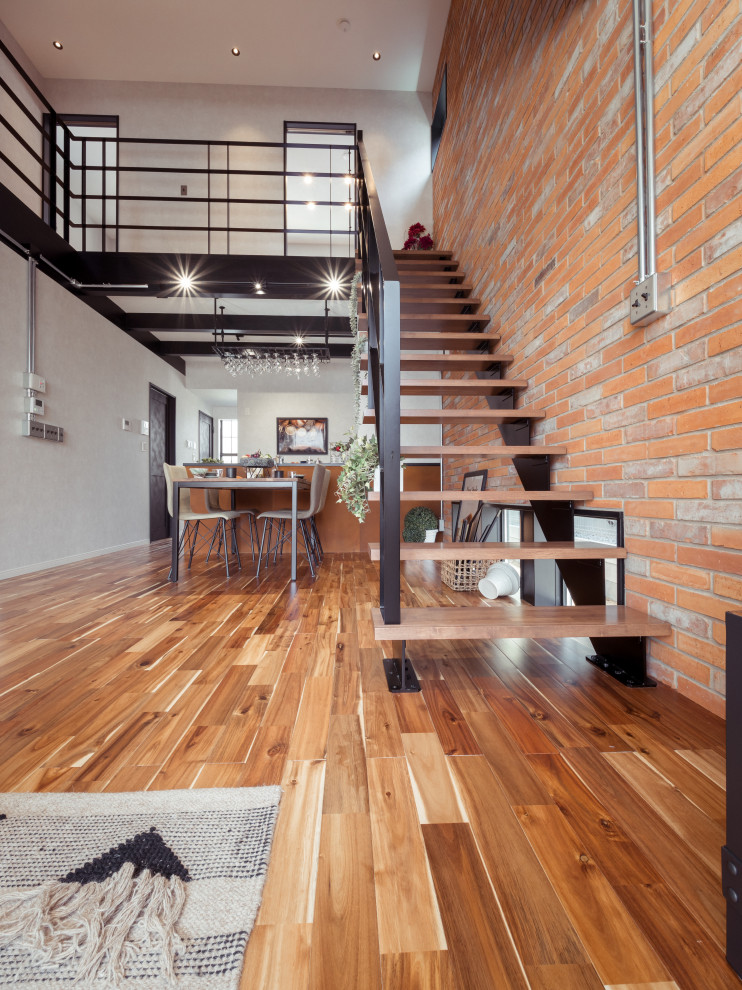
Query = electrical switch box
x=650 y=299
x=35 y=382
x=32 y=404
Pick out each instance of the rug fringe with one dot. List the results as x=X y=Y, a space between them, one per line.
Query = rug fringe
x=101 y=926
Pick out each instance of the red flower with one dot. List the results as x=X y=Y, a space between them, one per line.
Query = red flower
x=425 y=243
x=409 y=244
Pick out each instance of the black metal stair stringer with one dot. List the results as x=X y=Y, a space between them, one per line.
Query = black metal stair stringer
x=622 y=657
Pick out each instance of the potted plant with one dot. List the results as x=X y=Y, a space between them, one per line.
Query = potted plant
x=418 y=239
x=420 y=525
x=354 y=481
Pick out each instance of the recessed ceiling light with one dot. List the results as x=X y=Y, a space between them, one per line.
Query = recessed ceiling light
x=58 y=45
x=235 y=51
x=348 y=179
x=298 y=340
x=311 y=206
x=333 y=284
x=259 y=290
x=185 y=282
x=349 y=206
x=308 y=178
x=376 y=56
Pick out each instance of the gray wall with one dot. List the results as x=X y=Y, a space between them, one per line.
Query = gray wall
x=89 y=495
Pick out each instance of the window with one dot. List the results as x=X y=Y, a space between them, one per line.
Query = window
x=228 y=441
x=439 y=119
x=606 y=527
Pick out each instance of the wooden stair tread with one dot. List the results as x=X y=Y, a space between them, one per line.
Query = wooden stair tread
x=503 y=621
x=448 y=362
x=484 y=451
x=448 y=416
x=442 y=321
x=437 y=305
x=457 y=386
x=506 y=496
x=414 y=290
x=452 y=341
x=556 y=550
x=435 y=277
x=433 y=253
x=426 y=264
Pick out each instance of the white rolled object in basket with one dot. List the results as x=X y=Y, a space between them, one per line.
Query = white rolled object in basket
x=500 y=579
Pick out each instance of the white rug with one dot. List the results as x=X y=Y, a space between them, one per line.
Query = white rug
x=147 y=890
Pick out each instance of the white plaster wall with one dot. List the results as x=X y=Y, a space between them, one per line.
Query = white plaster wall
x=396 y=128
x=261 y=400
x=90 y=494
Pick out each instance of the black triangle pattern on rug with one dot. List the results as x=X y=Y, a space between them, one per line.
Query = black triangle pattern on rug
x=147 y=851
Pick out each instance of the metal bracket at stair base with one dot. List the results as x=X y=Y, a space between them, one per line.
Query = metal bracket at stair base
x=400 y=674
x=628 y=666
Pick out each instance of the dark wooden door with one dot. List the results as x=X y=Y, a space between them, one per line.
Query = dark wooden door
x=161 y=451
x=205 y=436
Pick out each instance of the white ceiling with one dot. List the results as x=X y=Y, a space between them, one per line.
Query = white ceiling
x=282 y=42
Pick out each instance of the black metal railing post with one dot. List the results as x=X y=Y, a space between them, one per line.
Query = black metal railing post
x=382 y=300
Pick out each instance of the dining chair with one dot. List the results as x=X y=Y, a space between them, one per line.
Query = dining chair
x=320 y=553
x=212 y=504
x=188 y=539
x=276 y=519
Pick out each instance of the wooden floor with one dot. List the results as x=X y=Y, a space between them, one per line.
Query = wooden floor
x=523 y=822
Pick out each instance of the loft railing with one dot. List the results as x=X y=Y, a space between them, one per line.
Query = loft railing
x=382 y=307
x=113 y=193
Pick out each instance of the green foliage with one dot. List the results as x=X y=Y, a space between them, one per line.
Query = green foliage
x=210 y=460
x=416 y=522
x=357 y=475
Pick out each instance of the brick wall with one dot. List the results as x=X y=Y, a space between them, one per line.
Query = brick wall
x=534 y=189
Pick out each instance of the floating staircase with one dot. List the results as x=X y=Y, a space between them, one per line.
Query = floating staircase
x=442 y=330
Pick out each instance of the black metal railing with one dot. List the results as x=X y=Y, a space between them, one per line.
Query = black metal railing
x=93 y=189
x=381 y=300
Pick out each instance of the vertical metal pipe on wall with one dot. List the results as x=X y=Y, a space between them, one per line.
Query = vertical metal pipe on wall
x=31 y=329
x=639 y=121
x=644 y=115
x=649 y=136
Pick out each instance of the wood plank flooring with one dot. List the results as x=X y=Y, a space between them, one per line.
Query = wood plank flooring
x=523 y=822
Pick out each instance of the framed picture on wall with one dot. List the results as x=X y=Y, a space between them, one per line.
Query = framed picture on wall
x=301 y=436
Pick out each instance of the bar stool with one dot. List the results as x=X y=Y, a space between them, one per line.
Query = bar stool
x=277 y=519
x=189 y=536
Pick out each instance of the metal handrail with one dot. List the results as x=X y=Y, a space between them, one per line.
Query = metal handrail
x=381 y=301
x=48 y=175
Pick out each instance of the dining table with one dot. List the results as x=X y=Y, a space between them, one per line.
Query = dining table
x=293 y=484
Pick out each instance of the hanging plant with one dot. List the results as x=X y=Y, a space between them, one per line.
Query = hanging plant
x=359 y=348
x=418 y=239
x=357 y=476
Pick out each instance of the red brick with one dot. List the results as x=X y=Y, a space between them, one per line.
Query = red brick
x=701 y=649
x=722 y=537
x=682 y=576
x=678 y=489
x=714 y=560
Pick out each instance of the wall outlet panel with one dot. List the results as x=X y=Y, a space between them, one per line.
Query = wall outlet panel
x=32 y=429
x=650 y=299
x=33 y=404
x=35 y=382
x=42 y=431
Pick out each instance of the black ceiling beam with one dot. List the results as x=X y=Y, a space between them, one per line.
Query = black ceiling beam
x=215 y=275
x=337 y=326
x=195 y=348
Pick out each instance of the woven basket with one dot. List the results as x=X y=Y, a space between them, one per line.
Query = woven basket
x=464 y=575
